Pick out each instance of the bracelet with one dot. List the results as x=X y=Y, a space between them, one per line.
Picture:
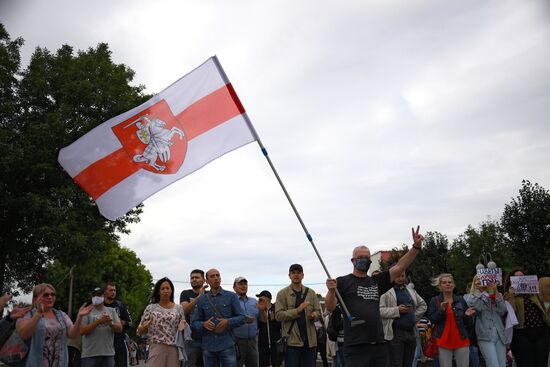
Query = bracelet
x=417 y=248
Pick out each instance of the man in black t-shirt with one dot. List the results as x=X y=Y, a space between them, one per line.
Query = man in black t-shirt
x=121 y=348
x=188 y=301
x=364 y=344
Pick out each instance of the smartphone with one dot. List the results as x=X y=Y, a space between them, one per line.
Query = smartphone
x=215 y=321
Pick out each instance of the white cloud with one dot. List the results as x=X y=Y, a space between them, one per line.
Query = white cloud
x=378 y=116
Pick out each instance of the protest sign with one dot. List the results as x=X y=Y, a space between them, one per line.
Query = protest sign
x=488 y=275
x=525 y=284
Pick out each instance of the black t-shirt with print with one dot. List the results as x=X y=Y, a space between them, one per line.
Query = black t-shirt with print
x=187 y=296
x=362 y=298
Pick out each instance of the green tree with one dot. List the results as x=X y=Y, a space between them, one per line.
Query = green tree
x=118 y=264
x=473 y=246
x=59 y=97
x=526 y=224
x=431 y=261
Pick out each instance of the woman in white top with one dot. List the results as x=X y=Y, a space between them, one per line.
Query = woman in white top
x=162 y=320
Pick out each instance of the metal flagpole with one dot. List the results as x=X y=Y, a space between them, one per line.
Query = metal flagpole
x=264 y=151
x=308 y=235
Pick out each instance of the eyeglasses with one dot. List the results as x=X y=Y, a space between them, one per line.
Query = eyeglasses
x=48 y=295
x=361 y=258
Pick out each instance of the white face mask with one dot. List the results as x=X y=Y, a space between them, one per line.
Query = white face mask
x=97 y=300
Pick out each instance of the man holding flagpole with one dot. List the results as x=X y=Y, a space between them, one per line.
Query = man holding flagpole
x=364 y=344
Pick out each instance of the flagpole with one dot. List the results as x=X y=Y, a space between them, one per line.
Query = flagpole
x=308 y=235
x=266 y=155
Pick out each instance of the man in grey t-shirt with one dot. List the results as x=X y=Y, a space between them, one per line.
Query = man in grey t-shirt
x=98 y=330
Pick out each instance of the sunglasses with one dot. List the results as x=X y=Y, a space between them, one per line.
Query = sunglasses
x=48 y=295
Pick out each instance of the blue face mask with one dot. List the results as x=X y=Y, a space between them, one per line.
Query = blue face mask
x=362 y=264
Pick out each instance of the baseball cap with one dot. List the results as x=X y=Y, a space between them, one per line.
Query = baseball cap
x=264 y=294
x=239 y=279
x=296 y=267
x=97 y=291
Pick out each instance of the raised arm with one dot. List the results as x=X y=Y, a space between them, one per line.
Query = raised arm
x=409 y=257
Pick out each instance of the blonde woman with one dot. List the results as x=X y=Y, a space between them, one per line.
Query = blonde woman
x=490 y=308
x=450 y=314
x=48 y=329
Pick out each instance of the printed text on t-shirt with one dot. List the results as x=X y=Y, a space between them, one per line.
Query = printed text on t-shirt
x=368 y=293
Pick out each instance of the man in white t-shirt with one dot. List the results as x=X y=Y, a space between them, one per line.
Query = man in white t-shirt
x=98 y=330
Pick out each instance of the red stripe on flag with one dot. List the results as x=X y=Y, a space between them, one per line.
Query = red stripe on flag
x=210 y=111
x=203 y=115
x=103 y=174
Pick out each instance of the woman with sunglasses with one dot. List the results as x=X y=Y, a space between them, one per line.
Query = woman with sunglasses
x=48 y=329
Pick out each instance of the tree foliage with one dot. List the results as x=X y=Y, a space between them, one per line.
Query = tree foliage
x=526 y=224
x=477 y=245
x=431 y=261
x=118 y=264
x=59 y=97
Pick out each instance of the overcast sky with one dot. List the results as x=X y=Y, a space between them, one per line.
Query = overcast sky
x=379 y=115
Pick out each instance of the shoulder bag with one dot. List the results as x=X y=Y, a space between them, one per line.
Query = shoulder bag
x=219 y=315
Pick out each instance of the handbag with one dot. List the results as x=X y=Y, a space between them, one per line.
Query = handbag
x=431 y=349
x=14 y=350
x=282 y=345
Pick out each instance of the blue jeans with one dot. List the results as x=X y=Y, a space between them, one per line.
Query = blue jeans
x=474 y=357
x=300 y=356
x=417 y=351
x=338 y=360
x=98 y=361
x=222 y=358
x=493 y=351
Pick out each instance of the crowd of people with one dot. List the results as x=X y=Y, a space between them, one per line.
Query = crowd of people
x=370 y=320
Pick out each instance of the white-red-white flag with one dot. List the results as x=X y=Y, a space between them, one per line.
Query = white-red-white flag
x=130 y=157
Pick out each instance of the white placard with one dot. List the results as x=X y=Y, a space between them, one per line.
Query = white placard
x=488 y=275
x=525 y=284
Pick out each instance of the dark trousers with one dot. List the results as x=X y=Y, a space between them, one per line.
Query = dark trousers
x=121 y=353
x=401 y=348
x=269 y=356
x=193 y=348
x=248 y=355
x=322 y=348
x=366 y=355
x=530 y=346
x=300 y=357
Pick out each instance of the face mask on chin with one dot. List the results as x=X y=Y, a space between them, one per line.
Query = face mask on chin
x=97 y=300
x=362 y=264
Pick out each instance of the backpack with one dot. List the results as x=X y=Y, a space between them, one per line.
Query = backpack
x=335 y=324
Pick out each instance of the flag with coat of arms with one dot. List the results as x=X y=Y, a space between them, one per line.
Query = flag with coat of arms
x=128 y=158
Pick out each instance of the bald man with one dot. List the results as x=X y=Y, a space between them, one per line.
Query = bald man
x=364 y=344
x=216 y=315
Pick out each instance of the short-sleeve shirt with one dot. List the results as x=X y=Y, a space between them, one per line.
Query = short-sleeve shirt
x=164 y=325
x=52 y=338
x=189 y=295
x=362 y=298
x=99 y=341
